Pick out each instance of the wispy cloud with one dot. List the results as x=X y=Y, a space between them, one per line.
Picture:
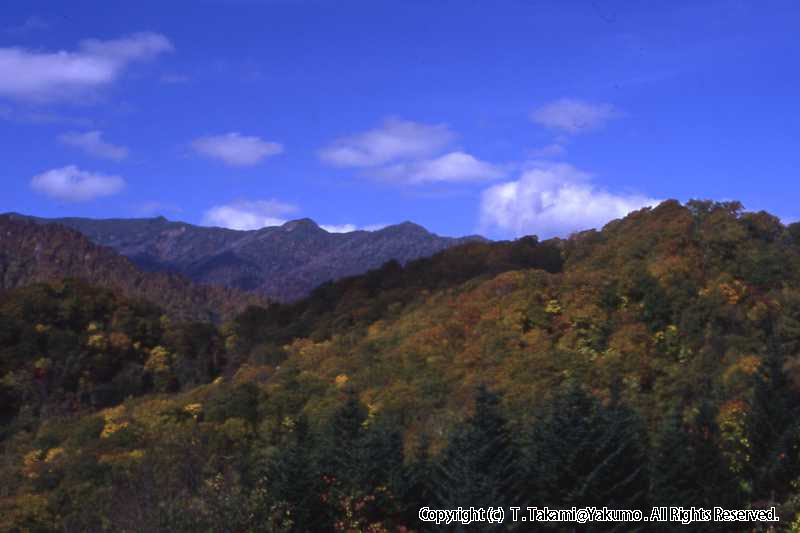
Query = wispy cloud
x=394 y=140
x=553 y=199
x=235 y=149
x=450 y=167
x=72 y=184
x=92 y=143
x=46 y=76
x=249 y=214
x=574 y=116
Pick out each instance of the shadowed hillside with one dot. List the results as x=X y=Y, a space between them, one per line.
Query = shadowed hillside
x=31 y=252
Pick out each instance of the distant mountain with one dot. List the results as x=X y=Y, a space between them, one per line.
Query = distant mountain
x=282 y=262
x=34 y=252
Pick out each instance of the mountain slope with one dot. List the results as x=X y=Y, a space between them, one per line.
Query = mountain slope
x=283 y=263
x=655 y=361
x=31 y=252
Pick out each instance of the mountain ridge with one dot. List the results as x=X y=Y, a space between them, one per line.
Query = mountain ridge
x=34 y=252
x=281 y=262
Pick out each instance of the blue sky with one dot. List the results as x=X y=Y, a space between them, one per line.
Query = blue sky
x=503 y=118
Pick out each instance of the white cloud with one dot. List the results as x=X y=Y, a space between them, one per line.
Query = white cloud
x=44 y=76
x=394 y=140
x=235 y=149
x=553 y=199
x=347 y=228
x=339 y=228
x=91 y=143
x=573 y=116
x=374 y=227
x=71 y=183
x=246 y=214
x=450 y=167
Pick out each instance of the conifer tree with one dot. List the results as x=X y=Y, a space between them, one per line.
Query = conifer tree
x=295 y=480
x=586 y=454
x=772 y=434
x=481 y=466
x=673 y=479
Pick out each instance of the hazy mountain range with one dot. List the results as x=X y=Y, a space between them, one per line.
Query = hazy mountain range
x=280 y=262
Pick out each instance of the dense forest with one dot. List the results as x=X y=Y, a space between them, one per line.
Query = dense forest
x=655 y=362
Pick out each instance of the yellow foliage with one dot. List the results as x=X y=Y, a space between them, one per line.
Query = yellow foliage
x=194 y=409
x=341 y=380
x=288 y=422
x=158 y=360
x=112 y=421
x=30 y=462
x=122 y=459
x=53 y=454
x=552 y=307
x=97 y=341
x=112 y=427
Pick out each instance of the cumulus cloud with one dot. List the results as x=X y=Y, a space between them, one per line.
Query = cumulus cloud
x=451 y=167
x=394 y=140
x=249 y=214
x=91 y=143
x=235 y=149
x=553 y=199
x=347 y=228
x=72 y=184
x=574 y=116
x=339 y=228
x=43 y=76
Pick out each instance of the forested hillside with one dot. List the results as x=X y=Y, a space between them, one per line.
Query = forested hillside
x=653 y=363
x=32 y=252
